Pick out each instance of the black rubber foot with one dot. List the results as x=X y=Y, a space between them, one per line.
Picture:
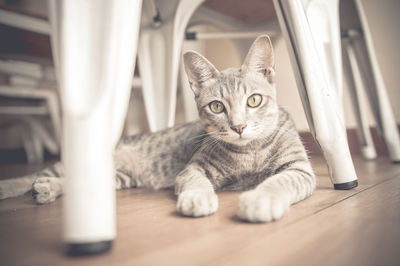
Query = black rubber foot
x=83 y=249
x=396 y=162
x=346 y=186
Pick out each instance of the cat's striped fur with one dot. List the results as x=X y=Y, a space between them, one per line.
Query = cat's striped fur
x=266 y=159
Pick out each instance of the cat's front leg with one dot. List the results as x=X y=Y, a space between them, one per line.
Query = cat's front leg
x=273 y=197
x=196 y=195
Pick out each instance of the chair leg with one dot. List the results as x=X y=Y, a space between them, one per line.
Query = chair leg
x=159 y=55
x=377 y=93
x=355 y=81
x=98 y=42
x=151 y=62
x=319 y=81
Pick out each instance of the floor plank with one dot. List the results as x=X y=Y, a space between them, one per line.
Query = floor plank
x=363 y=230
x=325 y=229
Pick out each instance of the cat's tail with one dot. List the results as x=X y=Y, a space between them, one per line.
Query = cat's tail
x=15 y=187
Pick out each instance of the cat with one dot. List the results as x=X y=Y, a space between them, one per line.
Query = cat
x=243 y=142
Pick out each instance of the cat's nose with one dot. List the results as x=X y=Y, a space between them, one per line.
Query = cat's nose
x=238 y=128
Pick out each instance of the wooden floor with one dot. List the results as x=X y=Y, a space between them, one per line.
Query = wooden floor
x=356 y=227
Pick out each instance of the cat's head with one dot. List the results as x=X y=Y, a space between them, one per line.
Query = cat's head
x=236 y=105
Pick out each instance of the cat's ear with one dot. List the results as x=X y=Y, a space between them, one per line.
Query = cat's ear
x=199 y=70
x=260 y=58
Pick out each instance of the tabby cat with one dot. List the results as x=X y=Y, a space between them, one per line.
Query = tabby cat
x=243 y=142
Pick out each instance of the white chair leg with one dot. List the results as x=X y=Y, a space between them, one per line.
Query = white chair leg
x=159 y=55
x=98 y=41
x=377 y=94
x=356 y=86
x=318 y=75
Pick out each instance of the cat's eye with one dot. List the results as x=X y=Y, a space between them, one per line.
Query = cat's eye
x=254 y=100
x=217 y=107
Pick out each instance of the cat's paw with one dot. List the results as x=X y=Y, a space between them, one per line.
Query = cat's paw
x=47 y=189
x=261 y=206
x=197 y=203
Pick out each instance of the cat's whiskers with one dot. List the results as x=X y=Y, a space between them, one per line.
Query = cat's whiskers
x=202 y=140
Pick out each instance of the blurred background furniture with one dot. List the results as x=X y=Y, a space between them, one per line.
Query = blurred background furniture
x=27 y=106
x=30 y=95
